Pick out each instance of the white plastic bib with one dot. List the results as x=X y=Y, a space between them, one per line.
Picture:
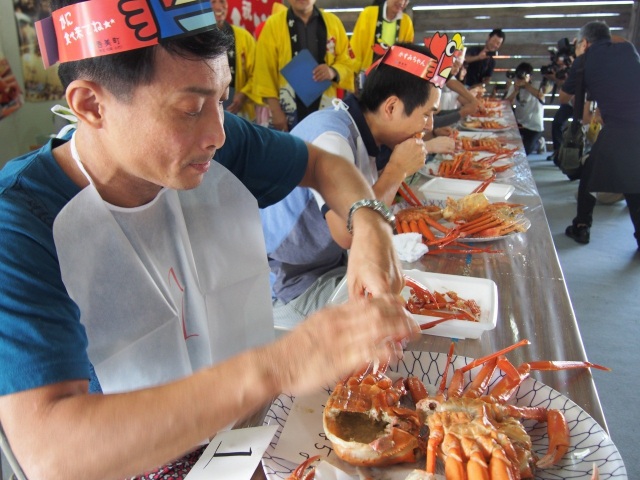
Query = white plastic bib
x=170 y=287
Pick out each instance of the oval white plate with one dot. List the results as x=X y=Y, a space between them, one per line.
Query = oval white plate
x=589 y=442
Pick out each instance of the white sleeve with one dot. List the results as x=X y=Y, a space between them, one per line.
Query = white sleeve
x=334 y=143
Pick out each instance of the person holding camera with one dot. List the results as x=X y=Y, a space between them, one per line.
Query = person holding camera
x=610 y=67
x=528 y=101
x=480 y=61
x=562 y=57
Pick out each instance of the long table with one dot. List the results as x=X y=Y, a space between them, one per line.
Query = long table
x=534 y=303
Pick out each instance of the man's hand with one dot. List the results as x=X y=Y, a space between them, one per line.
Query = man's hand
x=336 y=341
x=470 y=108
x=373 y=267
x=408 y=157
x=278 y=117
x=323 y=72
x=441 y=145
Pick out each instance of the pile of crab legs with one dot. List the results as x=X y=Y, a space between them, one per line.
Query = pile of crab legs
x=417 y=218
x=467 y=451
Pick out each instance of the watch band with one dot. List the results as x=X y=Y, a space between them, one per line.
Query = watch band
x=376 y=206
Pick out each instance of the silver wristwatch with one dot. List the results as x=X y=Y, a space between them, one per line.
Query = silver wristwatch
x=376 y=206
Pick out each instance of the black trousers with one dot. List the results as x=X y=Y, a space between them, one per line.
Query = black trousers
x=587 y=202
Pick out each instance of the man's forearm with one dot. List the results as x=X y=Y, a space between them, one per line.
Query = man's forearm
x=337 y=180
x=121 y=435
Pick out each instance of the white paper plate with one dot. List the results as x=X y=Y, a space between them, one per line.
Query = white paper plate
x=436 y=190
x=482 y=290
x=502 y=128
x=589 y=442
x=526 y=223
x=475 y=135
x=435 y=164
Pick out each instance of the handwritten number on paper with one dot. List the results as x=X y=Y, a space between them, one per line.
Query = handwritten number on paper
x=228 y=454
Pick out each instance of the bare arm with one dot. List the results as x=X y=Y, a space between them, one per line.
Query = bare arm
x=62 y=432
x=373 y=265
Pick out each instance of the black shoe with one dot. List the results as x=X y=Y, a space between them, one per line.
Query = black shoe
x=551 y=157
x=579 y=234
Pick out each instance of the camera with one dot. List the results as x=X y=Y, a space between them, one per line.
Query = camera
x=561 y=57
x=491 y=54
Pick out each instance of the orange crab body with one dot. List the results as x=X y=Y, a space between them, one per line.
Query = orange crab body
x=368 y=426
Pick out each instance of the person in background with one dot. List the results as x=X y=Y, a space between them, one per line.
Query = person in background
x=307 y=241
x=284 y=35
x=611 y=68
x=528 y=101
x=241 y=60
x=379 y=26
x=134 y=293
x=480 y=61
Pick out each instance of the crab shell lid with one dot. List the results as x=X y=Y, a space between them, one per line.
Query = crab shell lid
x=95 y=27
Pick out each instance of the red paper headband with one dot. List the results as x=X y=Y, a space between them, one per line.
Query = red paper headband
x=99 y=27
x=435 y=69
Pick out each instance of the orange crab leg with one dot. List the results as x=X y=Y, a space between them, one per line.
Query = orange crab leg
x=453 y=465
x=481 y=382
x=435 y=439
x=506 y=387
x=558 y=439
x=443 y=382
x=298 y=473
x=428 y=325
x=564 y=365
x=477 y=468
x=480 y=361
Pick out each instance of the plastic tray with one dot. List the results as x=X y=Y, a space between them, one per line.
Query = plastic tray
x=482 y=290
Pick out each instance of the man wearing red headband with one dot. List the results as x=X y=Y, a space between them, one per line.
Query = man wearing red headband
x=134 y=292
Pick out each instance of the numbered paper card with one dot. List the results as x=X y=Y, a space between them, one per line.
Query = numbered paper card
x=233 y=454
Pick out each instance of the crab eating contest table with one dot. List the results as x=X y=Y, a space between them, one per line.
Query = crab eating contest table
x=532 y=303
x=533 y=300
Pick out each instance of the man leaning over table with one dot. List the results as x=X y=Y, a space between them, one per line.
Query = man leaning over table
x=611 y=75
x=135 y=315
x=379 y=132
x=285 y=34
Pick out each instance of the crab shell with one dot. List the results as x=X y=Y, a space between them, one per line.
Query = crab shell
x=366 y=436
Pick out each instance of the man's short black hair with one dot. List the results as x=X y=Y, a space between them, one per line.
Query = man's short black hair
x=498 y=33
x=386 y=81
x=121 y=72
x=524 y=67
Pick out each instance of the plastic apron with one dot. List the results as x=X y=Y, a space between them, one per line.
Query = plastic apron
x=170 y=287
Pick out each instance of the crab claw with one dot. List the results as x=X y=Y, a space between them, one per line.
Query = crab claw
x=298 y=473
x=558 y=439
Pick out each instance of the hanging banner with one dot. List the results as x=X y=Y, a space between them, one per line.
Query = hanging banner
x=40 y=84
x=249 y=13
x=10 y=94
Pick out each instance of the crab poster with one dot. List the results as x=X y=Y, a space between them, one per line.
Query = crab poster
x=10 y=93
x=249 y=13
x=40 y=83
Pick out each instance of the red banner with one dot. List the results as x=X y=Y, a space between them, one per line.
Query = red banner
x=249 y=13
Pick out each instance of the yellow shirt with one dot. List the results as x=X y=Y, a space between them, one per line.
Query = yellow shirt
x=364 y=32
x=273 y=51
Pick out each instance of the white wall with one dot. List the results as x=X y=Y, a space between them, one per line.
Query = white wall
x=21 y=129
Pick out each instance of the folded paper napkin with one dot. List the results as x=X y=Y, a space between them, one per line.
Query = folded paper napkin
x=409 y=246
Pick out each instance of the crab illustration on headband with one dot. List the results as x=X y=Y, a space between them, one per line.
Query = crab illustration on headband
x=95 y=28
x=435 y=68
x=445 y=50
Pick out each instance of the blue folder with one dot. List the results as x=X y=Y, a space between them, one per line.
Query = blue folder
x=298 y=73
